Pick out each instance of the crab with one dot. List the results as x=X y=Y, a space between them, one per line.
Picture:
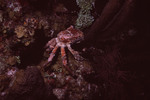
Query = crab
x=65 y=39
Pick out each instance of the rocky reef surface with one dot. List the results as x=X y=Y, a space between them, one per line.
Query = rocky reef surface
x=106 y=72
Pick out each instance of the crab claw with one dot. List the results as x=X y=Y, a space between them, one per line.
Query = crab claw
x=51 y=44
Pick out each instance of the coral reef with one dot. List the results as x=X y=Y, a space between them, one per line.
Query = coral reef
x=25 y=85
x=67 y=86
x=21 y=27
x=85 y=18
x=27 y=25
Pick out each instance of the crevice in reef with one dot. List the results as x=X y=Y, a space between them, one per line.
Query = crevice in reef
x=32 y=54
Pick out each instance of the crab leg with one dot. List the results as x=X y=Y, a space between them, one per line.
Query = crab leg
x=74 y=53
x=53 y=53
x=51 y=44
x=64 y=59
x=63 y=56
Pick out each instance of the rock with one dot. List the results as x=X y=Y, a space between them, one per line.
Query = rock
x=3 y=66
x=12 y=60
x=28 y=84
x=20 y=31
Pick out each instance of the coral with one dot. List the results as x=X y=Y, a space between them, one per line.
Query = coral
x=3 y=65
x=20 y=31
x=14 y=5
x=66 y=86
x=70 y=88
x=77 y=67
x=4 y=84
x=27 y=84
x=25 y=28
x=6 y=80
x=13 y=8
x=43 y=23
x=7 y=26
x=26 y=77
x=87 y=4
x=60 y=93
x=31 y=22
x=22 y=27
x=85 y=18
x=80 y=89
x=11 y=72
x=12 y=60
x=25 y=31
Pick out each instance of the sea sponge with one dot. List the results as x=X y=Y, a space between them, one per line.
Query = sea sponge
x=85 y=18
